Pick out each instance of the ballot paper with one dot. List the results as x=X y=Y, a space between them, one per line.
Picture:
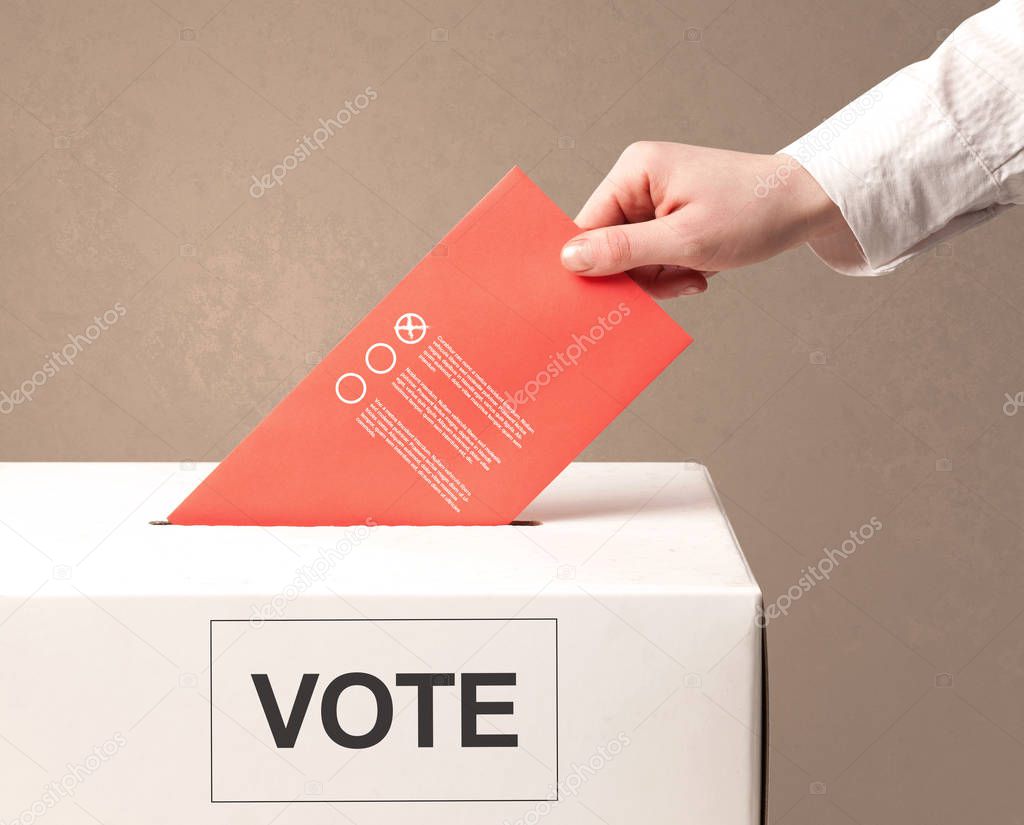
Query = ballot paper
x=461 y=395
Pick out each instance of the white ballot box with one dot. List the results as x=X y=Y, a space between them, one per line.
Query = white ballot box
x=600 y=660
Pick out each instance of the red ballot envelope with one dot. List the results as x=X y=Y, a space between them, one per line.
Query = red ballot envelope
x=461 y=395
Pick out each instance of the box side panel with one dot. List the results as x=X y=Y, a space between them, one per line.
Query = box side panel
x=765 y=728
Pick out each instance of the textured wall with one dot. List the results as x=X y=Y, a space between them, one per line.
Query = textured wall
x=129 y=135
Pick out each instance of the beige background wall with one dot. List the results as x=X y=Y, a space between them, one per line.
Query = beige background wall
x=129 y=132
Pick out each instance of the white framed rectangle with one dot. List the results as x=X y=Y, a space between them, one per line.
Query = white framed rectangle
x=249 y=765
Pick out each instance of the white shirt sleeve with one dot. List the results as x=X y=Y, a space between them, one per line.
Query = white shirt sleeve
x=933 y=150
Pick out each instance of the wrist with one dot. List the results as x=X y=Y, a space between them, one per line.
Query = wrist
x=814 y=212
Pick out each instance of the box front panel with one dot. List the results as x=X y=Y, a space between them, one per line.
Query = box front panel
x=651 y=712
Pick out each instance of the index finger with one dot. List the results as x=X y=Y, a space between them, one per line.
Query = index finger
x=602 y=208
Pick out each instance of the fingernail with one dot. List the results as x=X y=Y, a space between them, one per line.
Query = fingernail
x=692 y=290
x=576 y=256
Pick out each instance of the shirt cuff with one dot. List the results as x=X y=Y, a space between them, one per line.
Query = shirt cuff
x=900 y=172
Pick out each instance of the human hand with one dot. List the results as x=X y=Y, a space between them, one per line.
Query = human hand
x=673 y=215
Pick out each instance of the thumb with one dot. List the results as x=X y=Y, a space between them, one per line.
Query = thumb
x=613 y=249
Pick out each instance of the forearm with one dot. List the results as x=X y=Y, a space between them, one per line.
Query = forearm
x=933 y=150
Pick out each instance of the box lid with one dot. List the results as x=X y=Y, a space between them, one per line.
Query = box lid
x=615 y=527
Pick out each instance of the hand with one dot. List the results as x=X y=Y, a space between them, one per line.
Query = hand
x=673 y=215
